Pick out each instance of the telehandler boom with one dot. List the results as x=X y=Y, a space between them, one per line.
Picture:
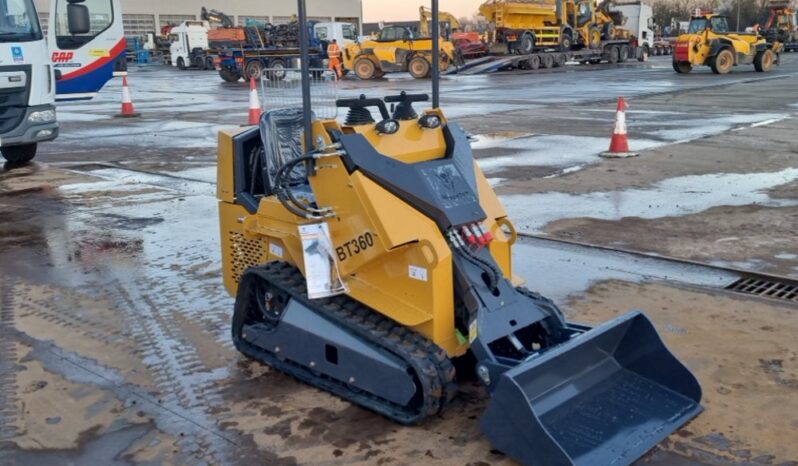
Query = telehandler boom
x=366 y=255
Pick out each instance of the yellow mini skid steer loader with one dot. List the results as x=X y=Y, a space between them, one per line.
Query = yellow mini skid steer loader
x=366 y=255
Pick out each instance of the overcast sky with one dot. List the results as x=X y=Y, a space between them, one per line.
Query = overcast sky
x=407 y=10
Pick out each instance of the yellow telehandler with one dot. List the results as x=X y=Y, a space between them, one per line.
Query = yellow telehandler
x=709 y=42
x=366 y=256
x=396 y=49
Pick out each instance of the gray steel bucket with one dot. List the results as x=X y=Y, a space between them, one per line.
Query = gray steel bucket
x=603 y=398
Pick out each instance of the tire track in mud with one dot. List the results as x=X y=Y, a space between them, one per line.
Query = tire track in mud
x=185 y=385
x=8 y=361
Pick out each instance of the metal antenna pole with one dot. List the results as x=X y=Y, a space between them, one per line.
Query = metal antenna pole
x=305 y=72
x=436 y=55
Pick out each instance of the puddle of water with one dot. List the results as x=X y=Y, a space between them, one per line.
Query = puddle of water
x=712 y=126
x=553 y=151
x=786 y=256
x=560 y=270
x=672 y=197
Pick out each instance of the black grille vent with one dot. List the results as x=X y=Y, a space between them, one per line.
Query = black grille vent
x=766 y=289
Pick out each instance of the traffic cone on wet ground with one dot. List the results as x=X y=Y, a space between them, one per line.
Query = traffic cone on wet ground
x=254 y=104
x=127 y=103
x=619 y=144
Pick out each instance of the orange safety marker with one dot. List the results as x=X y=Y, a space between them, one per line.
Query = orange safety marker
x=254 y=104
x=127 y=102
x=619 y=144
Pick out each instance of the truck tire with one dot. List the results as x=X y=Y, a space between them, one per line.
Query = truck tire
x=209 y=63
x=199 y=62
x=559 y=60
x=533 y=62
x=594 y=38
x=608 y=31
x=365 y=68
x=547 y=60
x=527 y=45
x=722 y=62
x=682 y=67
x=763 y=61
x=626 y=52
x=19 y=154
x=229 y=75
x=253 y=69
x=181 y=64
x=613 y=54
x=642 y=53
x=419 y=67
x=278 y=71
x=566 y=42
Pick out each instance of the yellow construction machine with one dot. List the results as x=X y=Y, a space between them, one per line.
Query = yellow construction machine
x=780 y=26
x=709 y=42
x=398 y=48
x=468 y=44
x=367 y=255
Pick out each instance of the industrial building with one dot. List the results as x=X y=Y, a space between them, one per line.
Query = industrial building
x=150 y=15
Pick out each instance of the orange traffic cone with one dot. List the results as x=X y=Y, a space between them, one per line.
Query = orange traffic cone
x=619 y=144
x=254 y=104
x=127 y=103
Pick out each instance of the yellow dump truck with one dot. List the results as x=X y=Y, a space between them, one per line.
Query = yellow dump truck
x=550 y=32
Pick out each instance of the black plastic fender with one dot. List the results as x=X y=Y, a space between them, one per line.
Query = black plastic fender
x=716 y=45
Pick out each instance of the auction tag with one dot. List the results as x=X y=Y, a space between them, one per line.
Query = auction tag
x=275 y=250
x=472 y=331
x=321 y=271
x=418 y=273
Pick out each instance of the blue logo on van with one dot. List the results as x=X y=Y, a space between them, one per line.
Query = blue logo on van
x=16 y=54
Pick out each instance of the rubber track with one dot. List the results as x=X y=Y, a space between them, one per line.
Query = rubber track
x=426 y=358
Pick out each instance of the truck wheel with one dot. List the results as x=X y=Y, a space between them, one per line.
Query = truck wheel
x=594 y=38
x=533 y=62
x=277 y=72
x=19 y=154
x=199 y=62
x=253 y=69
x=364 y=68
x=559 y=60
x=642 y=54
x=181 y=64
x=722 y=62
x=763 y=61
x=613 y=55
x=527 y=44
x=626 y=52
x=682 y=67
x=209 y=63
x=229 y=75
x=566 y=42
x=419 y=67
x=608 y=31
x=547 y=60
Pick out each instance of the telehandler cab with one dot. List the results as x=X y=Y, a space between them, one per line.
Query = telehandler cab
x=365 y=256
x=709 y=42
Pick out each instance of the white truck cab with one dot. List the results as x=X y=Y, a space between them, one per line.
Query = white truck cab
x=639 y=21
x=343 y=33
x=185 y=38
x=27 y=82
x=85 y=48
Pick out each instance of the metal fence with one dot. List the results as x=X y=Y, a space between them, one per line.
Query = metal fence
x=282 y=88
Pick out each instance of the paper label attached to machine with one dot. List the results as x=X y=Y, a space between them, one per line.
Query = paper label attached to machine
x=321 y=270
x=418 y=273
x=99 y=53
x=472 y=331
x=275 y=250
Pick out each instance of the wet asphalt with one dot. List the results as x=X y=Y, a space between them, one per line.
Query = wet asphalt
x=114 y=324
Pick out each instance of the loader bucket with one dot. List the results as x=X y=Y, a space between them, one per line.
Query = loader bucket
x=603 y=398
